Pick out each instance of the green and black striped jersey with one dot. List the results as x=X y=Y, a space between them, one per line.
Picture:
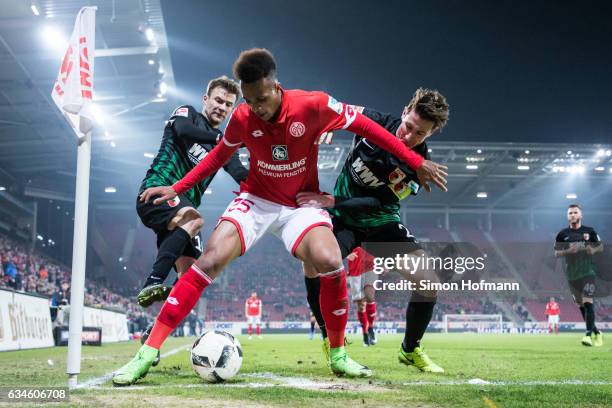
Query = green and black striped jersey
x=580 y=264
x=178 y=154
x=370 y=171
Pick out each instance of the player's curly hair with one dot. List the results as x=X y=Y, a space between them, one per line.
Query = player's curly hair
x=254 y=64
x=225 y=83
x=430 y=105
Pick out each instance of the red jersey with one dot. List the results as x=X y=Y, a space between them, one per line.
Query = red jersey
x=364 y=262
x=552 y=308
x=284 y=154
x=253 y=306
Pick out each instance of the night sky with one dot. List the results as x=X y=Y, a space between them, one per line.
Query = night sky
x=511 y=71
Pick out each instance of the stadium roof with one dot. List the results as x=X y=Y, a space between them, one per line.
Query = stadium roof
x=37 y=148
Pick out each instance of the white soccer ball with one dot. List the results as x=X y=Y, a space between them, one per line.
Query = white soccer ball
x=216 y=356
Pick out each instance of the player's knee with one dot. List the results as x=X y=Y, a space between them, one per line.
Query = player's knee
x=326 y=259
x=369 y=294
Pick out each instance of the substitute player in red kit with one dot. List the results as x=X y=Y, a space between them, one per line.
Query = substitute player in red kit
x=361 y=280
x=252 y=311
x=552 y=312
x=279 y=128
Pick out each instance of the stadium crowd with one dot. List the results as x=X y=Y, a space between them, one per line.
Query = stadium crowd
x=29 y=271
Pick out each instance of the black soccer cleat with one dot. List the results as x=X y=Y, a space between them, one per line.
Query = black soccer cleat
x=372 y=336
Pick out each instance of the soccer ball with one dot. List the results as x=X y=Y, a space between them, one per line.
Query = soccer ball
x=216 y=356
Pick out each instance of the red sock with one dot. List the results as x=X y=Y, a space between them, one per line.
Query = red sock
x=250 y=329
x=258 y=329
x=181 y=300
x=371 y=312
x=333 y=299
x=363 y=319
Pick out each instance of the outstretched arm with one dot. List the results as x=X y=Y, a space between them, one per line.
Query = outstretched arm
x=210 y=164
x=310 y=199
x=427 y=171
x=185 y=129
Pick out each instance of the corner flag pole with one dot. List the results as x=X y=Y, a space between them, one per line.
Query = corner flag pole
x=73 y=94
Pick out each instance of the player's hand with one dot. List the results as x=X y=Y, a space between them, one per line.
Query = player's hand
x=166 y=193
x=573 y=249
x=434 y=173
x=316 y=200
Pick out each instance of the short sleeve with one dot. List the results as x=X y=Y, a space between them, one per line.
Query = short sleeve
x=559 y=243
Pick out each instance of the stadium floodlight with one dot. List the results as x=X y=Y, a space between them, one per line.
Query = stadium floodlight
x=163 y=88
x=98 y=114
x=527 y=152
x=149 y=155
x=150 y=34
x=54 y=38
x=34 y=8
x=2 y=188
x=571 y=196
x=40 y=237
x=600 y=168
x=523 y=167
x=110 y=189
x=600 y=152
x=472 y=167
x=429 y=150
x=113 y=144
x=569 y=152
x=151 y=62
x=482 y=194
x=608 y=153
x=479 y=151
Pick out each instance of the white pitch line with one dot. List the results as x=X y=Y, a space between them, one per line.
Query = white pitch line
x=311 y=384
x=96 y=382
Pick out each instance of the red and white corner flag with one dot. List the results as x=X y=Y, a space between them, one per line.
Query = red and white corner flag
x=73 y=88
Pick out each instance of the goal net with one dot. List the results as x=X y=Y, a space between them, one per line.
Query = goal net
x=475 y=323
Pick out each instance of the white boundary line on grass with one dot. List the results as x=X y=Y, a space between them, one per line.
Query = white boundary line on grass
x=96 y=382
x=310 y=384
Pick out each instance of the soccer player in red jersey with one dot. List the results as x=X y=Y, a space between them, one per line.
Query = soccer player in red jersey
x=252 y=311
x=279 y=128
x=361 y=280
x=552 y=312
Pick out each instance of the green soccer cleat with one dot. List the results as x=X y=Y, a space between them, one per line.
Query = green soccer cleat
x=145 y=336
x=154 y=293
x=598 y=339
x=137 y=368
x=343 y=365
x=325 y=348
x=419 y=359
x=587 y=341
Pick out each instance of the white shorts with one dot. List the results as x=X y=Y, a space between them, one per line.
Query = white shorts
x=553 y=319
x=357 y=283
x=253 y=320
x=253 y=217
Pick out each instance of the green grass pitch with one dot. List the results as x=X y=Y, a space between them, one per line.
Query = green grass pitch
x=289 y=371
